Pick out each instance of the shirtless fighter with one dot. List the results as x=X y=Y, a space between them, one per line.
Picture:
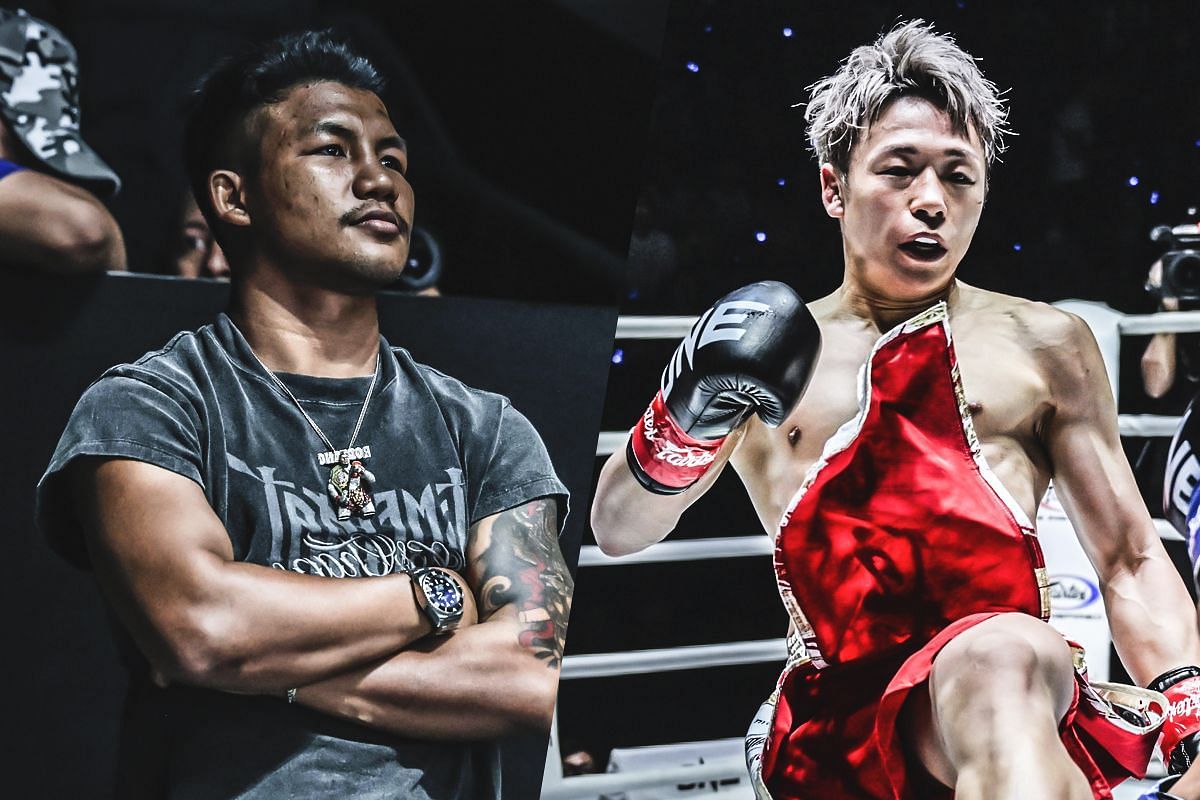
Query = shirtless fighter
x=901 y=490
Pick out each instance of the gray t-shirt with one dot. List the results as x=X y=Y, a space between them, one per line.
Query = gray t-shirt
x=441 y=457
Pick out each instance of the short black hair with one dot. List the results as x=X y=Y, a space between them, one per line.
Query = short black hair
x=264 y=74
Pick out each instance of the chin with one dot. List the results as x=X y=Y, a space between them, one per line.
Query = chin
x=377 y=276
x=924 y=277
x=355 y=275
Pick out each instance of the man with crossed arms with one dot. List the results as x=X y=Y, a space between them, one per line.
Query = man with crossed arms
x=279 y=647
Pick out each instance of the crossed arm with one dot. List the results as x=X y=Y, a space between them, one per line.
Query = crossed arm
x=356 y=647
x=501 y=674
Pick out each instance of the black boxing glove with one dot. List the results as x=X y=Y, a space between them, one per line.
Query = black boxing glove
x=752 y=352
x=1180 y=740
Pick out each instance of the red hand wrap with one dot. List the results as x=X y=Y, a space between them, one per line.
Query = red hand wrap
x=1183 y=714
x=665 y=452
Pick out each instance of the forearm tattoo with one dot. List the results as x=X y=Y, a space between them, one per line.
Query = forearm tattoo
x=521 y=565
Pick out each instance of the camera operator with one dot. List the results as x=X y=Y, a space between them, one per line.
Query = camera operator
x=1175 y=281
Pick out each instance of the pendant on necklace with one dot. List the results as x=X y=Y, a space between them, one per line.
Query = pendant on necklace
x=350 y=482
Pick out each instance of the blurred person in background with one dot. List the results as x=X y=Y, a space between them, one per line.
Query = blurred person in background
x=50 y=217
x=197 y=253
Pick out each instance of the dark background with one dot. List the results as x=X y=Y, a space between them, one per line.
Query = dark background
x=526 y=121
x=1100 y=92
x=62 y=676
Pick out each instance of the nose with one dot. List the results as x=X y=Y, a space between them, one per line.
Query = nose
x=928 y=202
x=374 y=181
x=215 y=263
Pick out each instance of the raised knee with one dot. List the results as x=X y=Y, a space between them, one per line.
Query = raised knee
x=996 y=653
x=1007 y=658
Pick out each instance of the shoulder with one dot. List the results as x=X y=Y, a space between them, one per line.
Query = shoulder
x=176 y=369
x=824 y=309
x=463 y=407
x=1060 y=344
x=179 y=356
x=1034 y=324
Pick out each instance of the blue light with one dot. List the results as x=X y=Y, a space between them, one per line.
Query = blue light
x=781 y=182
x=692 y=66
x=760 y=237
x=1133 y=180
x=618 y=356
x=787 y=33
x=1017 y=247
x=1198 y=143
x=1154 y=198
x=708 y=28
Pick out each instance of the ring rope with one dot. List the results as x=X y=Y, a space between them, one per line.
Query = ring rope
x=1162 y=322
x=694 y=656
x=634 y=327
x=681 y=550
x=1142 y=425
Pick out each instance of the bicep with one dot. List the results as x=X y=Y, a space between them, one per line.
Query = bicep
x=515 y=565
x=154 y=542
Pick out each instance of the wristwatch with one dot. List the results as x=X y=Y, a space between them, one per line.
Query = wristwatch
x=439 y=596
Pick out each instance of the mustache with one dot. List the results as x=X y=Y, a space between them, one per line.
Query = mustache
x=356 y=215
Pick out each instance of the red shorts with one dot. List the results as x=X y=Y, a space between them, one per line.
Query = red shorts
x=835 y=731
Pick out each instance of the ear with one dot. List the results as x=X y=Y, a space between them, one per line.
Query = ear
x=226 y=190
x=833 y=191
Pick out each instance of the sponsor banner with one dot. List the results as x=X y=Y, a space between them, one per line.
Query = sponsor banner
x=736 y=786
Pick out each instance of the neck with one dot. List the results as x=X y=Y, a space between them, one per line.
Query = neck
x=886 y=312
x=306 y=330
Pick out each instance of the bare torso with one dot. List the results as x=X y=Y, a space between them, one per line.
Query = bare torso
x=1000 y=342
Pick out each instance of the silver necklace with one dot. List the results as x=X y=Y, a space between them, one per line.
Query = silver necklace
x=349 y=485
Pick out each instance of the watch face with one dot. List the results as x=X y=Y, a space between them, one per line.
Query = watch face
x=442 y=591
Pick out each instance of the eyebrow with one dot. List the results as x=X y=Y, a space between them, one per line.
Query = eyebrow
x=909 y=150
x=338 y=129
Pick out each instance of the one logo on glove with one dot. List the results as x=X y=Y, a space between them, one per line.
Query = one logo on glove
x=721 y=323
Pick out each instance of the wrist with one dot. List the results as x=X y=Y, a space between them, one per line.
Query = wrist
x=440 y=595
x=662 y=456
x=1178 y=744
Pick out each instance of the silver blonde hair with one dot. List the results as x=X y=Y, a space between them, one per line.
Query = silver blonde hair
x=910 y=59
